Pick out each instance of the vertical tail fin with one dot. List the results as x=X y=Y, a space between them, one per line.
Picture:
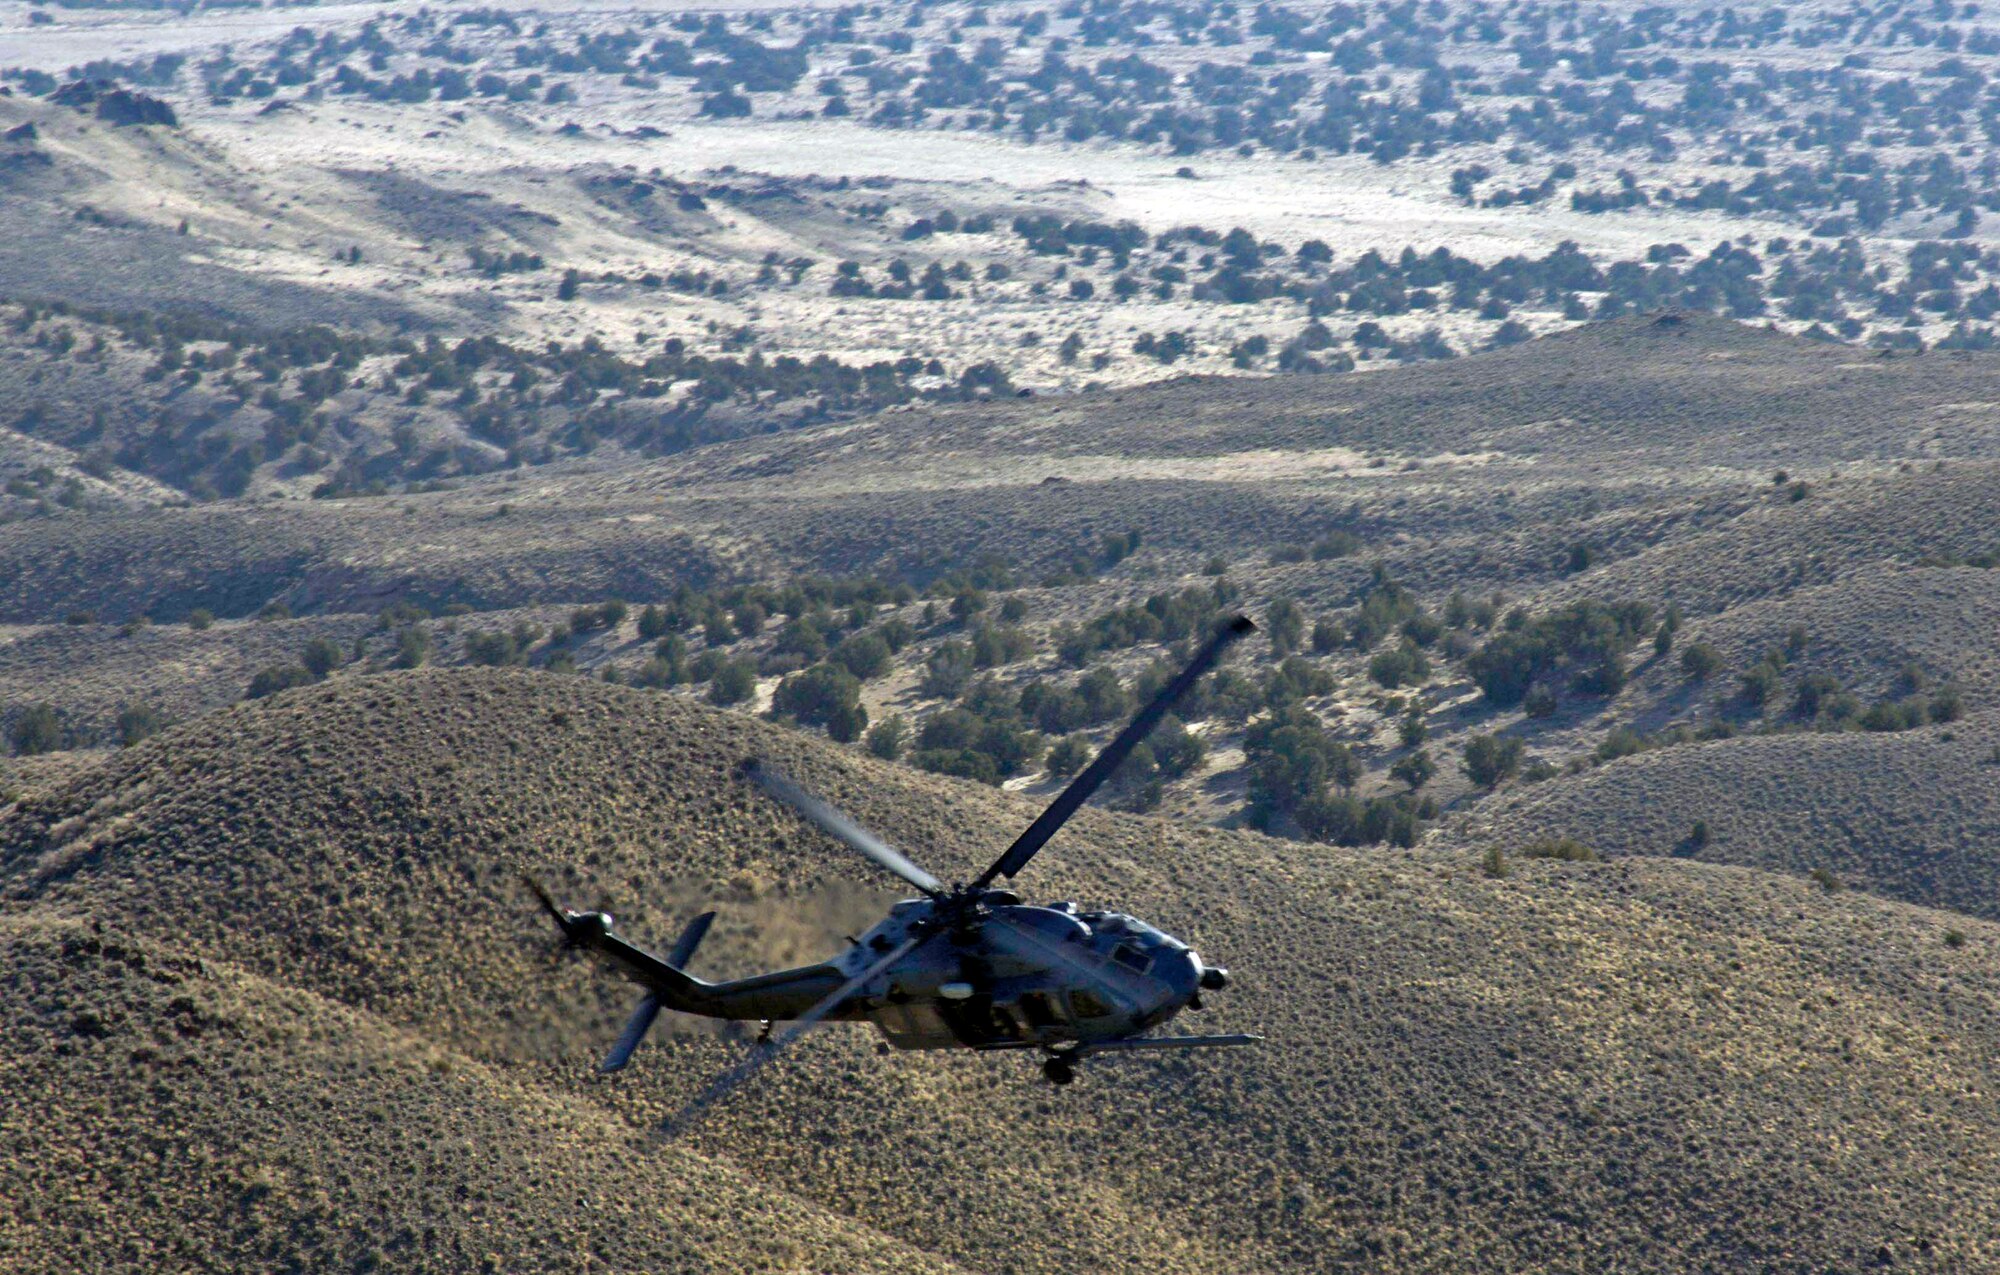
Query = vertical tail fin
x=690 y=939
x=649 y=1008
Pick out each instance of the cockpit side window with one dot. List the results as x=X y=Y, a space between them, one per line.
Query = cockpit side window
x=1133 y=957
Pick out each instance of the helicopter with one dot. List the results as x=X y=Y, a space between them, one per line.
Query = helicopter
x=964 y=966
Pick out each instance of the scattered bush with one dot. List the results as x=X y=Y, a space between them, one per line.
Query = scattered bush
x=321 y=656
x=1070 y=755
x=1564 y=849
x=733 y=682
x=1491 y=760
x=823 y=695
x=272 y=680
x=1700 y=661
x=137 y=722
x=37 y=730
x=889 y=737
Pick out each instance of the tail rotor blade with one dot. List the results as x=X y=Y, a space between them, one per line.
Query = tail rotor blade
x=729 y=1080
x=837 y=825
x=548 y=903
x=635 y=1031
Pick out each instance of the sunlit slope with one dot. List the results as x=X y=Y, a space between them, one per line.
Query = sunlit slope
x=169 y=1112
x=1646 y=1064
x=1915 y=815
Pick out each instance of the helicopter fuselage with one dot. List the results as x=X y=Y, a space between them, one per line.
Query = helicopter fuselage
x=966 y=966
x=1060 y=978
x=1065 y=977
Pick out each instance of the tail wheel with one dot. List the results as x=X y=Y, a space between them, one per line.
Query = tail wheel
x=1058 y=1071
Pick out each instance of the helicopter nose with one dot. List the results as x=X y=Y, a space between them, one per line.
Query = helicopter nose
x=1214 y=978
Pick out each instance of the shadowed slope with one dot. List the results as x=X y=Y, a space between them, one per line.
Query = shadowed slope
x=1481 y=470
x=169 y=1113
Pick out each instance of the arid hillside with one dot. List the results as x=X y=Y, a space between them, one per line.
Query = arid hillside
x=1480 y=472
x=1640 y=536
x=442 y=443
x=1559 y=1067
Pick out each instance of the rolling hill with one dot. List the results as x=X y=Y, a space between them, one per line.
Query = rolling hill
x=1643 y=1063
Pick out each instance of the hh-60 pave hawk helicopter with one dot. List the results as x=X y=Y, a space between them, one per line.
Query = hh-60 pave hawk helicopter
x=968 y=966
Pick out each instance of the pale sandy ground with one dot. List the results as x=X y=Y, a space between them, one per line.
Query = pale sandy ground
x=292 y=201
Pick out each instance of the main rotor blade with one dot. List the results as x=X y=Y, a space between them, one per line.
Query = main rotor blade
x=1113 y=756
x=805 y=1022
x=838 y=826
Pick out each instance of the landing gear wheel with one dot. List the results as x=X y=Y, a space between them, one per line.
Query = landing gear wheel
x=1058 y=1071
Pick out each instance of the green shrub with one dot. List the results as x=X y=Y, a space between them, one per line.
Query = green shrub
x=1700 y=661
x=1761 y=682
x=413 y=647
x=1815 y=689
x=1565 y=849
x=948 y=670
x=1403 y=665
x=1071 y=754
x=1285 y=625
x=1413 y=729
x=888 y=737
x=962 y=762
x=1336 y=544
x=657 y=674
x=272 y=680
x=1415 y=770
x=865 y=656
x=1947 y=705
x=1176 y=750
x=494 y=649
x=996 y=645
x=817 y=695
x=321 y=656
x=1621 y=742
x=137 y=722
x=37 y=731
x=1102 y=696
x=1592 y=636
x=1292 y=761
x=1491 y=760
x=734 y=682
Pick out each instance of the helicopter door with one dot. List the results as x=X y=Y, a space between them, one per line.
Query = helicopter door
x=915 y=1025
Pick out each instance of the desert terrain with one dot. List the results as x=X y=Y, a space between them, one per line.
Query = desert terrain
x=444 y=442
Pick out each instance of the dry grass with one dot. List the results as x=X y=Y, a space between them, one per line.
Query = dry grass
x=1914 y=815
x=1638 y=1063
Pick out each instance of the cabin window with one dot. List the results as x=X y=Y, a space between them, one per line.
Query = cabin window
x=1133 y=958
x=1039 y=1010
x=1087 y=1005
